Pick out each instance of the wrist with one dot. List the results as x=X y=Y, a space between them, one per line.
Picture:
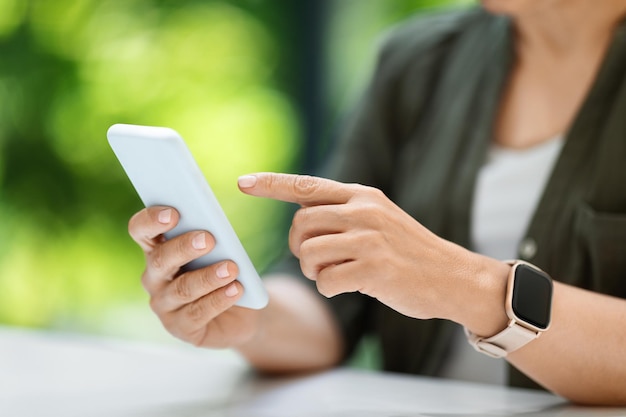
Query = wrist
x=481 y=305
x=295 y=332
x=528 y=308
x=255 y=335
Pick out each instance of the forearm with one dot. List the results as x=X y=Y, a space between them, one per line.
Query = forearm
x=336 y=234
x=296 y=332
x=583 y=355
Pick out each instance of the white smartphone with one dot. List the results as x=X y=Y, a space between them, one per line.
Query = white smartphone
x=163 y=172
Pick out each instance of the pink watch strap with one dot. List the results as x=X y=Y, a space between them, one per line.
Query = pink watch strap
x=508 y=340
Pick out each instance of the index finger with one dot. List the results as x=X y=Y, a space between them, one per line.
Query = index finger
x=305 y=190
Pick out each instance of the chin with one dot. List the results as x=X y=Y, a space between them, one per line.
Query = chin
x=507 y=7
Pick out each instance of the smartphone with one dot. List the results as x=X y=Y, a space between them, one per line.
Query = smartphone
x=163 y=172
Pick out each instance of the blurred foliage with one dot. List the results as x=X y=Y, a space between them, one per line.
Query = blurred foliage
x=354 y=30
x=68 y=70
x=219 y=72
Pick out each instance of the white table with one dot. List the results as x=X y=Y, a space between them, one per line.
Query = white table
x=52 y=374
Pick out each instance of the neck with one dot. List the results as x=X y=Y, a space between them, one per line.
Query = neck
x=561 y=27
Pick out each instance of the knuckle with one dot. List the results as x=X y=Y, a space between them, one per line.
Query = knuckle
x=352 y=211
x=203 y=280
x=376 y=192
x=182 y=288
x=301 y=216
x=306 y=248
x=371 y=192
x=157 y=259
x=197 y=311
x=135 y=225
x=205 y=277
x=181 y=246
x=214 y=304
x=296 y=231
x=132 y=224
x=371 y=198
x=309 y=247
x=367 y=213
x=308 y=269
x=324 y=287
x=305 y=185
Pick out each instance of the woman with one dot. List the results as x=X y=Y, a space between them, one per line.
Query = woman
x=487 y=128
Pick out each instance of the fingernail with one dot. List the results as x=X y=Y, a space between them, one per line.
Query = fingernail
x=222 y=271
x=199 y=242
x=165 y=216
x=231 y=291
x=247 y=181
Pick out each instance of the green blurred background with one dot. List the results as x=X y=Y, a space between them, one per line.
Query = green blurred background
x=251 y=85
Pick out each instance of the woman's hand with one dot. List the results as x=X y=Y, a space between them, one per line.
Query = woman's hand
x=351 y=238
x=196 y=306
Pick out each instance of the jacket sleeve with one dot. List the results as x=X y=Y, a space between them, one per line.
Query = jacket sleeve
x=376 y=131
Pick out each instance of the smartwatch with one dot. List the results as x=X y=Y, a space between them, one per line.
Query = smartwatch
x=528 y=306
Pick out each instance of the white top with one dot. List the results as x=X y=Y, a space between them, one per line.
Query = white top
x=508 y=189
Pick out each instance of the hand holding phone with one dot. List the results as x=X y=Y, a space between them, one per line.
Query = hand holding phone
x=163 y=172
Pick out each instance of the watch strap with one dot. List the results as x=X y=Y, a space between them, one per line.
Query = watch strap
x=513 y=337
x=508 y=340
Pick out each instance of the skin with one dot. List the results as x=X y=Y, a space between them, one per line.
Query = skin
x=560 y=45
x=294 y=333
x=424 y=276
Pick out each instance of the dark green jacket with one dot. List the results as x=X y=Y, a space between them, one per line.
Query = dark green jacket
x=421 y=134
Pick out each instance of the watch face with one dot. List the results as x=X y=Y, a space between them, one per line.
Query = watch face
x=532 y=296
